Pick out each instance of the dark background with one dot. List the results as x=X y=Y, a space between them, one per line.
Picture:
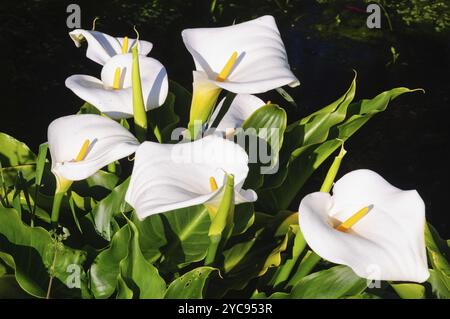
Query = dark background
x=408 y=144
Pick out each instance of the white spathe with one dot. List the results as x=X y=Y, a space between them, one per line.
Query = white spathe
x=171 y=176
x=262 y=63
x=242 y=106
x=101 y=47
x=108 y=141
x=118 y=103
x=386 y=244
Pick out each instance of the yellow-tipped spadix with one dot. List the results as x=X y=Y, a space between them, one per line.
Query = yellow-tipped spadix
x=116 y=83
x=83 y=151
x=213 y=184
x=125 y=45
x=227 y=68
x=345 y=226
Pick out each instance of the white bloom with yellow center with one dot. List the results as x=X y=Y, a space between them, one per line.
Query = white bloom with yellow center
x=80 y=145
x=369 y=225
x=101 y=47
x=248 y=57
x=113 y=93
x=171 y=176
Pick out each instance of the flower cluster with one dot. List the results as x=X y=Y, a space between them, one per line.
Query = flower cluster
x=366 y=221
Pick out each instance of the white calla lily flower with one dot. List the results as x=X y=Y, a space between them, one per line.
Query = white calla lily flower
x=369 y=225
x=82 y=144
x=242 y=106
x=248 y=57
x=102 y=47
x=113 y=93
x=171 y=176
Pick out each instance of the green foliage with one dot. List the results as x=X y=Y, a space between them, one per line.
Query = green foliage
x=261 y=253
x=333 y=283
x=191 y=285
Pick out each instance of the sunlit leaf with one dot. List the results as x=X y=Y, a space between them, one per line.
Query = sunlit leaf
x=333 y=283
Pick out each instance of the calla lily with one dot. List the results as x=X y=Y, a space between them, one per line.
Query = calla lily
x=369 y=225
x=102 y=47
x=249 y=57
x=113 y=94
x=172 y=176
x=82 y=144
x=242 y=106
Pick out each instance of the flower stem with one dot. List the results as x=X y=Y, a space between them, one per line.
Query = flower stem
x=50 y=282
x=56 y=208
x=212 y=249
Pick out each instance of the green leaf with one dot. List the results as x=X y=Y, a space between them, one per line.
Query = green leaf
x=109 y=207
x=333 y=283
x=138 y=274
x=328 y=135
x=268 y=124
x=31 y=251
x=179 y=237
x=104 y=271
x=15 y=156
x=191 y=285
x=438 y=250
x=123 y=266
x=440 y=284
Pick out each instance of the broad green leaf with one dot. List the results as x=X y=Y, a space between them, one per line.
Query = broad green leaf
x=15 y=156
x=31 y=252
x=177 y=238
x=307 y=158
x=440 y=284
x=122 y=266
x=191 y=285
x=109 y=207
x=137 y=273
x=104 y=271
x=333 y=283
x=267 y=124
